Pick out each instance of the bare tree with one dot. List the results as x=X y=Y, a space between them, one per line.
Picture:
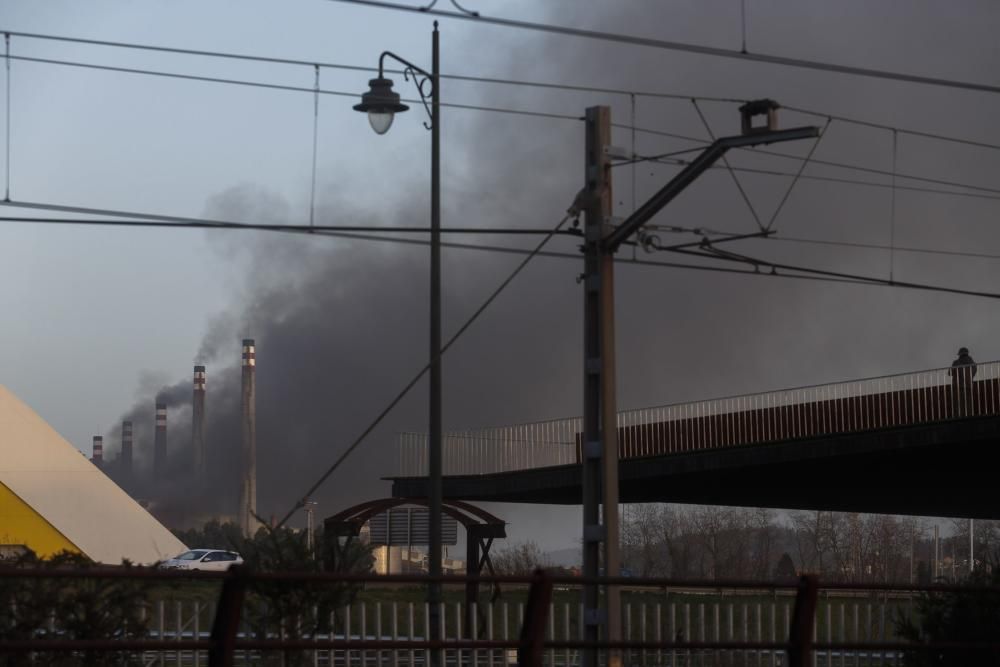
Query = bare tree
x=520 y=558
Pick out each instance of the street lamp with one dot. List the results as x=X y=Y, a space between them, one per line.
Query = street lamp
x=381 y=104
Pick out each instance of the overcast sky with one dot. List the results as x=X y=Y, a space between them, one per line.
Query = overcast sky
x=97 y=320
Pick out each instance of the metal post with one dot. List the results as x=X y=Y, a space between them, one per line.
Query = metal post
x=937 y=553
x=800 y=635
x=435 y=425
x=972 y=559
x=598 y=208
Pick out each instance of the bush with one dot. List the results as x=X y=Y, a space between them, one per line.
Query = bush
x=963 y=616
x=66 y=609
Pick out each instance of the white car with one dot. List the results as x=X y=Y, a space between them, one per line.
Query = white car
x=214 y=560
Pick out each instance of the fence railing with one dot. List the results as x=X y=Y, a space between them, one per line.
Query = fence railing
x=843 y=407
x=665 y=622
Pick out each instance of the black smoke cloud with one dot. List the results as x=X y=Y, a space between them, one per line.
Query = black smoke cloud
x=340 y=326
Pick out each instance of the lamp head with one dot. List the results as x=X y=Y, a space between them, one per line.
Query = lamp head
x=381 y=104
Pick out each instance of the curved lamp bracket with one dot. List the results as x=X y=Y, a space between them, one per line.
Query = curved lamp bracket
x=459 y=7
x=422 y=79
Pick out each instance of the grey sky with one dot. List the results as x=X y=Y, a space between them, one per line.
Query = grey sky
x=98 y=319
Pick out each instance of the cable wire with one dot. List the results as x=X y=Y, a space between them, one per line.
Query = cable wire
x=528 y=113
x=6 y=39
x=473 y=79
x=831 y=179
x=798 y=175
x=892 y=211
x=902 y=130
x=710 y=252
x=692 y=48
x=286 y=228
x=142 y=219
x=315 y=150
x=729 y=168
x=409 y=385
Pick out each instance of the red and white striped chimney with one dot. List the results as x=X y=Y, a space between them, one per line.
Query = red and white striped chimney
x=248 y=472
x=198 y=425
x=160 y=440
x=126 y=456
x=98 y=451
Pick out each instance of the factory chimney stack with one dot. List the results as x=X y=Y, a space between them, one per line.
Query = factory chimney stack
x=248 y=471
x=198 y=426
x=125 y=460
x=98 y=451
x=160 y=441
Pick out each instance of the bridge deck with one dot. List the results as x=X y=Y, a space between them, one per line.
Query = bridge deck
x=919 y=444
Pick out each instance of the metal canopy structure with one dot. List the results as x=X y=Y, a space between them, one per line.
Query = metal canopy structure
x=481 y=528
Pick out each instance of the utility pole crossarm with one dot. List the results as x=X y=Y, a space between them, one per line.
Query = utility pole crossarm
x=693 y=170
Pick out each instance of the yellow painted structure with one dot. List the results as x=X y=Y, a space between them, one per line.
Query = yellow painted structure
x=19 y=524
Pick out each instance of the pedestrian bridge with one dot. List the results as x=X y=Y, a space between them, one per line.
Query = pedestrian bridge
x=917 y=443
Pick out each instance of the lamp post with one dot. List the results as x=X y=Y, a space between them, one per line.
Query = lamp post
x=381 y=104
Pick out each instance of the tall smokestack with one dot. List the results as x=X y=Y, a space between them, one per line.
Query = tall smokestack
x=98 y=451
x=160 y=441
x=248 y=481
x=126 y=456
x=198 y=425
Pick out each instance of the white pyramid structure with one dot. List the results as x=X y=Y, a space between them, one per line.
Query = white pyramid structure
x=53 y=498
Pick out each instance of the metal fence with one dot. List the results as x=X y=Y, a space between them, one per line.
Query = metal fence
x=665 y=623
x=696 y=615
x=843 y=407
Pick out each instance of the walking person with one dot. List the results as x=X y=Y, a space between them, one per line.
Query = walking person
x=961 y=372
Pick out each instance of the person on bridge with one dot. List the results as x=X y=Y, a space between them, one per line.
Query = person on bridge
x=962 y=371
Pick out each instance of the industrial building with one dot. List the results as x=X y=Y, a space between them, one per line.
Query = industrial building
x=53 y=499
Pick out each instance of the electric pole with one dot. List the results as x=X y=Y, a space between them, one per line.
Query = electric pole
x=600 y=432
x=602 y=238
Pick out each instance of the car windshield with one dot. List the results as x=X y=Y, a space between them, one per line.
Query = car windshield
x=191 y=555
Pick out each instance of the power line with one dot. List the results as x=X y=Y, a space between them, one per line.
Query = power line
x=140 y=219
x=521 y=112
x=690 y=48
x=444 y=348
x=283 y=87
x=359 y=68
x=710 y=252
x=846 y=181
x=456 y=77
x=853 y=167
x=902 y=130
x=287 y=228
x=877 y=246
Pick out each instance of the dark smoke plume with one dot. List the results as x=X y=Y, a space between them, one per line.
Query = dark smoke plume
x=340 y=326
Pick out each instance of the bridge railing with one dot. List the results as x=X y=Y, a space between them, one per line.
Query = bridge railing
x=867 y=404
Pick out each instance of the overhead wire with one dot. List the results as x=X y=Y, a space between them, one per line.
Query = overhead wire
x=284 y=227
x=709 y=252
x=725 y=162
x=689 y=48
x=6 y=39
x=375 y=233
x=458 y=77
x=831 y=179
x=315 y=151
x=493 y=109
x=798 y=175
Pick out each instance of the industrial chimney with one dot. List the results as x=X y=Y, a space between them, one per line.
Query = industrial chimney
x=198 y=426
x=125 y=459
x=98 y=451
x=160 y=441
x=248 y=480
